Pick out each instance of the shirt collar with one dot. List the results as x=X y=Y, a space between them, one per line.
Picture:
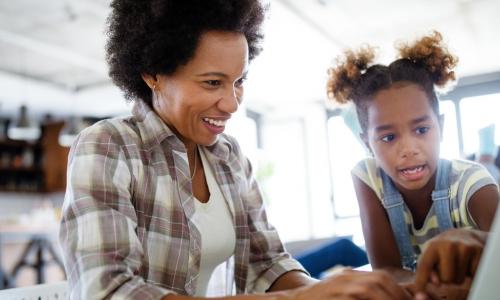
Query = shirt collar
x=152 y=129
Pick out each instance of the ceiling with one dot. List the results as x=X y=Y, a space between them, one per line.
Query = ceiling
x=52 y=51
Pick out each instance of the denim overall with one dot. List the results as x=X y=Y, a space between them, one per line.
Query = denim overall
x=394 y=206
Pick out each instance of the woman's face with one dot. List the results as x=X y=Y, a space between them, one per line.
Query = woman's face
x=404 y=134
x=199 y=98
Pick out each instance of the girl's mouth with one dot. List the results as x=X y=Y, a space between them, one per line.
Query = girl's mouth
x=413 y=173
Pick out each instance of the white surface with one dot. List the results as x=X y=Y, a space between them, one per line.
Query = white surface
x=485 y=285
x=50 y=291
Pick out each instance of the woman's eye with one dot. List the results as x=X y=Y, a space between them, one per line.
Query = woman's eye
x=240 y=82
x=422 y=130
x=388 y=138
x=213 y=82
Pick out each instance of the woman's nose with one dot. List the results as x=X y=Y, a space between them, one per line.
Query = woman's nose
x=230 y=101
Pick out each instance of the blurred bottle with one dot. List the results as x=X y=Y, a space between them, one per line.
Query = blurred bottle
x=488 y=150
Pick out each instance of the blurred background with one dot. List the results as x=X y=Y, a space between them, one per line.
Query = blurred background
x=54 y=82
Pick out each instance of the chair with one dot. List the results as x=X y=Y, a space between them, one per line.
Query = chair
x=49 y=291
x=340 y=251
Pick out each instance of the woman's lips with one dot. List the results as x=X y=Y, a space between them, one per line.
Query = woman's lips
x=216 y=126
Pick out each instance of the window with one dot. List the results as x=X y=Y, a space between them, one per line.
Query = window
x=479 y=112
x=345 y=151
x=285 y=186
x=449 y=144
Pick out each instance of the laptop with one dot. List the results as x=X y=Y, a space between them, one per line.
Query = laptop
x=486 y=284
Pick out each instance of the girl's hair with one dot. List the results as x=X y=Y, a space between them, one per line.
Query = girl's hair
x=426 y=63
x=158 y=36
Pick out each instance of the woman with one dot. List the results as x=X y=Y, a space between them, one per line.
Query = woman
x=157 y=200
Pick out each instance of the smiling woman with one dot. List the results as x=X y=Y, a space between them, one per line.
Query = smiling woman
x=157 y=201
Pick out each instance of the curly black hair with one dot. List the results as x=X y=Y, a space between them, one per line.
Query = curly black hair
x=157 y=36
x=426 y=63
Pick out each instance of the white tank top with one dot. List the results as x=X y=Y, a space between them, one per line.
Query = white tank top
x=215 y=223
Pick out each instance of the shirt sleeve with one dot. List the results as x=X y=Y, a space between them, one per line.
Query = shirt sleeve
x=101 y=250
x=268 y=259
x=366 y=170
x=471 y=180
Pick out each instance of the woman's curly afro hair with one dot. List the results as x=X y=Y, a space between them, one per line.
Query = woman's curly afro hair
x=426 y=63
x=157 y=36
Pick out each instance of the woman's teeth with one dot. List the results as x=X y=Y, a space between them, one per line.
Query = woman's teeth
x=214 y=122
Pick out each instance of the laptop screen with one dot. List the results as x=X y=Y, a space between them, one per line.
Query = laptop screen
x=486 y=282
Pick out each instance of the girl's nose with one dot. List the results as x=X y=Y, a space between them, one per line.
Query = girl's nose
x=408 y=148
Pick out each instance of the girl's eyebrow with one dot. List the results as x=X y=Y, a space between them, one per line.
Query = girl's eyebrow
x=420 y=119
x=383 y=127
x=413 y=122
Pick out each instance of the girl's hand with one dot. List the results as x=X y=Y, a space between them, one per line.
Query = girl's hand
x=445 y=291
x=450 y=257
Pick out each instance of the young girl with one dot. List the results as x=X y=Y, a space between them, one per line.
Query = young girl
x=406 y=193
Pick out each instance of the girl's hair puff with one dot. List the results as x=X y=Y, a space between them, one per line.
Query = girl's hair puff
x=433 y=55
x=345 y=75
x=425 y=63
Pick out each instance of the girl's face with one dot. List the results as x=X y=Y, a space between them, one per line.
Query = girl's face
x=404 y=134
x=200 y=97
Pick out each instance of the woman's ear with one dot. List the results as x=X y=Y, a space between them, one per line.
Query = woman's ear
x=150 y=80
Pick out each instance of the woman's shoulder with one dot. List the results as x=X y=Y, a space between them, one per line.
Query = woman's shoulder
x=113 y=130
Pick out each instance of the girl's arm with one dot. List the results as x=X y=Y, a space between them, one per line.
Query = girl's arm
x=483 y=205
x=381 y=246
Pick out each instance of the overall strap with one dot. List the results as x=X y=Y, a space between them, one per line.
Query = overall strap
x=394 y=206
x=441 y=195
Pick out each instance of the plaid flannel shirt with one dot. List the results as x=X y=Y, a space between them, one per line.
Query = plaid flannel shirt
x=126 y=231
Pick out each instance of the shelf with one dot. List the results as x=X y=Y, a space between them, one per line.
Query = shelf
x=21 y=170
x=46 y=157
x=26 y=191
x=19 y=144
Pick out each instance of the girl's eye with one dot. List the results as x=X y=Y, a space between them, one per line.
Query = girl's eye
x=422 y=130
x=388 y=138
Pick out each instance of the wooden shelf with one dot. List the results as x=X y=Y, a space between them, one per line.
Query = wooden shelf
x=18 y=190
x=21 y=169
x=7 y=143
x=45 y=162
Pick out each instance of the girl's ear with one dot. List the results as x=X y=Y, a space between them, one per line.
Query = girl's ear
x=441 y=126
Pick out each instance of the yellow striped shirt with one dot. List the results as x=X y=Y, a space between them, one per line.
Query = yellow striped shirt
x=466 y=178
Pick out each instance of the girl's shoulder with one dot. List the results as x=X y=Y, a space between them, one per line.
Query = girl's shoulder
x=465 y=169
x=368 y=172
